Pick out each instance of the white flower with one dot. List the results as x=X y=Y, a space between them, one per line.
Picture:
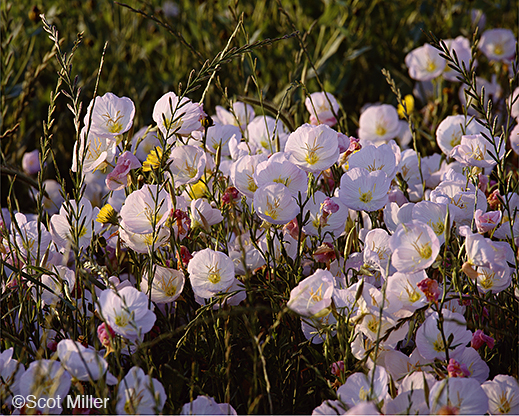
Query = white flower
x=358 y=387
x=278 y=169
x=187 y=164
x=166 y=285
x=424 y=63
x=374 y=158
x=263 y=133
x=404 y=285
x=313 y=148
x=329 y=221
x=274 y=203
x=241 y=115
x=434 y=215
x=415 y=247
x=312 y=295
x=203 y=214
x=95 y=152
x=452 y=128
x=126 y=311
x=476 y=150
x=177 y=116
x=503 y=395
x=379 y=123
x=81 y=225
x=461 y=46
x=318 y=105
x=111 y=115
x=363 y=190
x=143 y=145
x=45 y=379
x=454 y=395
x=210 y=272
x=145 y=209
x=143 y=243
x=205 y=405
x=56 y=282
x=498 y=44
x=429 y=340
x=10 y=372
x=242 y=173
x=84 y=364
x=139 y=394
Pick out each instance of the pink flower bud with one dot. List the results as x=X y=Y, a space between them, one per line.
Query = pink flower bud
x=292 y=228
x=104 y=333
x=329 y=207
x=344 y=142
x=456 y=369
x=482 y=182
x=430 y=288
x=324 y=253
x=118 y=178
x=337 y=368
x=479 y=338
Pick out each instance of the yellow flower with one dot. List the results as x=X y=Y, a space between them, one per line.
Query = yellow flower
x=107 y=215
x=409 y=104
x=199 y=189
x=153 y=160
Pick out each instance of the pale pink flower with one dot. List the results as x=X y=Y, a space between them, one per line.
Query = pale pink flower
x=514 y=138
x=429 y=340
x=275 y=204
x=187 y=164
x=415 y=247
x=205 y=405
x=119 y=178
x=461 y=46
x=498 y=44
x=318 y=105
x=424 y=63
x=210 y=272
x=45 y=379
x=95 y=152
x=10 y=372
x=313 y=295
x=84 y=364
x=278 y=169
x=487 y=221
x=313 y=148
x=31 y=162
x=175 y=115
x=364 y=190
x=145 y=209
x=264 y=132
x=127 y=312
x=379 y=124
x=241 y=114
x=358 y=387
x=165 y=285
x=503 y=395
x=111 y=115
x=462 y=396
x=140 y=394
x=452 y=128
x=476 y=150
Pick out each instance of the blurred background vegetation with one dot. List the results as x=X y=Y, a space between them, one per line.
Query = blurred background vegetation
x=347 y=42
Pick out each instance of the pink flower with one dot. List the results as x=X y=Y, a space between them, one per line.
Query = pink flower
x=337 y=368
x=487 y=221
x=457 y=369
x=119 y=178
x=430 y=288
x=479 y=338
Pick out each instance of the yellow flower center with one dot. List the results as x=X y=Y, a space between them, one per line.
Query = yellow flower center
x=365 y=197
x=214 y=275
x=114 y=124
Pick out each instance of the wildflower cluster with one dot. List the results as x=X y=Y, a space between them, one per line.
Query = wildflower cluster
x=393 y=267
